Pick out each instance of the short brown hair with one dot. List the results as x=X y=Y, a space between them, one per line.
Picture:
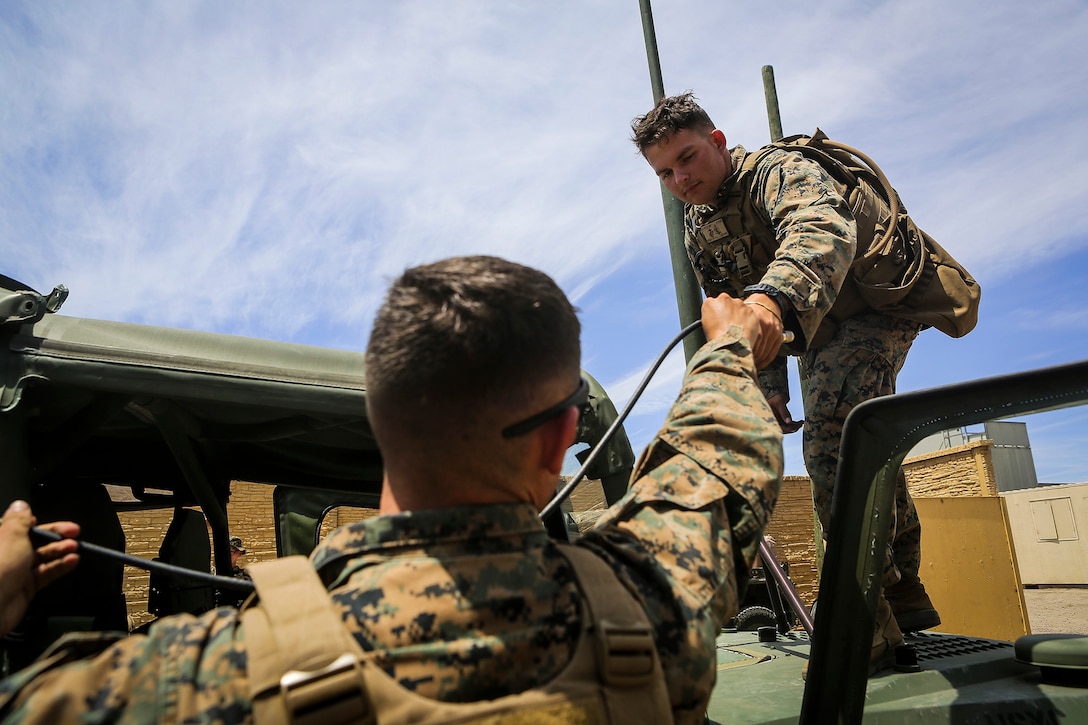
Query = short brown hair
x=671 y=114
x=465 y=333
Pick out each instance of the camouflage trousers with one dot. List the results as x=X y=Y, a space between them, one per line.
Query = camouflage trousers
x=859 y=363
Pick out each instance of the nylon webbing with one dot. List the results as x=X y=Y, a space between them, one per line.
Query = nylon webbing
x=303 y=663
x=627 y=660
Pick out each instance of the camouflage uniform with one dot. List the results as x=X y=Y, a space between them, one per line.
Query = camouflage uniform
x=859 y=363
x=473 y=603
x=854 y=354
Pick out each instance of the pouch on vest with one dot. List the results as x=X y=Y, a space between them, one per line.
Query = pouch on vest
x=903 y=271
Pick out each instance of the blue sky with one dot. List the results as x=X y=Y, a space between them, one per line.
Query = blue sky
x=265 y=168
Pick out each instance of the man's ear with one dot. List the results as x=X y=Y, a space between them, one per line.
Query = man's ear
x=557 y=435
x=717 y=137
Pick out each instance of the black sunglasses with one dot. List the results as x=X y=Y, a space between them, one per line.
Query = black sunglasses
x=579 y=397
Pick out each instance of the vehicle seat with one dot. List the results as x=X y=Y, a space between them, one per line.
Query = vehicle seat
x=90 y=598
x=186 y=544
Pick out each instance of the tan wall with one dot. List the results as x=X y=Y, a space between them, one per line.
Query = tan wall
x=965 y=470
x=143 y=534
x=1047 y=523
x=342 y=515
x=792 y=527
x=249 y=512
x=969 y=567
x=251 y=516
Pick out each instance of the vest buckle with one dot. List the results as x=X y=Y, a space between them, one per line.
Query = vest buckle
x=335 y=693
x=627 y=656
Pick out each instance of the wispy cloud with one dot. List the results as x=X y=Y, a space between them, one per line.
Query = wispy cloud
x=264 y=168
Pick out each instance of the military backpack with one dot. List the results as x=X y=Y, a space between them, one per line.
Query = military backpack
x=898 y=269
x=902 y=271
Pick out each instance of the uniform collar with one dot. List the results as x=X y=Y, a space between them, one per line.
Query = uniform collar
x=478 y=529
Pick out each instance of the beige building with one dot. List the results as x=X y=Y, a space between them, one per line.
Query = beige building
x=1047 y=523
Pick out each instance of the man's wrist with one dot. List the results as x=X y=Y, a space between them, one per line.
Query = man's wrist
x=771 y=307
x=779 y=299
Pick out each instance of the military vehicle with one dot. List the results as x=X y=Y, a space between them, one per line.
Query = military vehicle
x=170 y=418
x=175 y=415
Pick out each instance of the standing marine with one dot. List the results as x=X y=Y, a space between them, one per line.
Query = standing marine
x=775 y=229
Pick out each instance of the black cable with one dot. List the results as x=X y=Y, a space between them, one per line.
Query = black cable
x=569 y=487
x=44 y=536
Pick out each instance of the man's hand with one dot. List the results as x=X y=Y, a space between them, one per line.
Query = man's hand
x=23 y=569
x=722 y=311
x=770 y=323
x=782 y=414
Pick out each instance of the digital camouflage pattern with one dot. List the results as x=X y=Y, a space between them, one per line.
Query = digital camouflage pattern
x=798 y=225
x=860 y=362
x=796 y=221
x=468 y=604
x=184 y=665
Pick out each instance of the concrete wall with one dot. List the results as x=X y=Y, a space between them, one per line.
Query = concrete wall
x=964 y=470
x=1047 y=524
x=143 y=535
x=792 y=527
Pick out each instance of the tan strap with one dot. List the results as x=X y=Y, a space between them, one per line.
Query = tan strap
x=628 y=665
x=303 y=664
x=305 y=667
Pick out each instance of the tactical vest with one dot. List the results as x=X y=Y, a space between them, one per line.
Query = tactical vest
x=898 y=269
x=304 y=666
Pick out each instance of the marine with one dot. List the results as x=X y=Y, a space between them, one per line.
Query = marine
x=778 y=231
x=455 y=593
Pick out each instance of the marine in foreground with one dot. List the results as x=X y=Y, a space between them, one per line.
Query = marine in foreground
x=455 y=594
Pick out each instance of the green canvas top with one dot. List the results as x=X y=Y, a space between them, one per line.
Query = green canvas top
x=120 y=399
x=127 y=356
x=139 y=405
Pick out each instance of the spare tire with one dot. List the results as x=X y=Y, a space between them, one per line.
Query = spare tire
x=750 y=619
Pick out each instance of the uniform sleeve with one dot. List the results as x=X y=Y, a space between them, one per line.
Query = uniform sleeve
x=774 y=379
x=187 y=669
x=685 y=534
x=815 y=230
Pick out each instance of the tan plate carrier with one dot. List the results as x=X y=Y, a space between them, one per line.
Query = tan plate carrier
x=304 y=666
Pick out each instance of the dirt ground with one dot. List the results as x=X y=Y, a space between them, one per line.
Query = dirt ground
x=1057 y=609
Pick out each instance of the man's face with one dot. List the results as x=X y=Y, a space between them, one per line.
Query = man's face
x=691 y=164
